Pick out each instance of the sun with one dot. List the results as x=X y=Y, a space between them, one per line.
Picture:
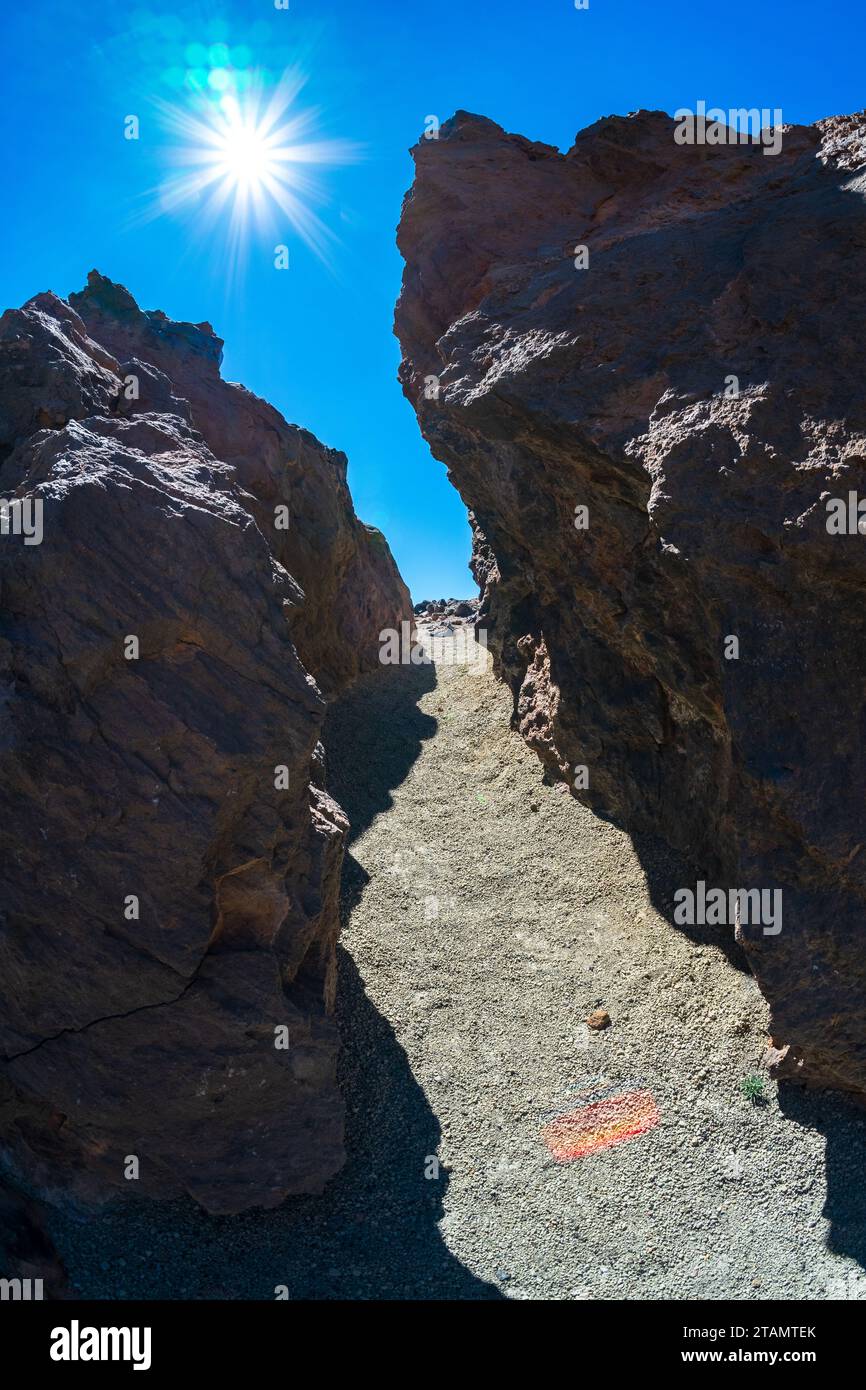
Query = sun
x=244 y=156
x=248 y=160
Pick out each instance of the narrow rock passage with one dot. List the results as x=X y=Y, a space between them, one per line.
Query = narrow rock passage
x=489 y=916
x=479 y=934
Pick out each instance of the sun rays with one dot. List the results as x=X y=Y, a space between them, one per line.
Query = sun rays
x=244 y=166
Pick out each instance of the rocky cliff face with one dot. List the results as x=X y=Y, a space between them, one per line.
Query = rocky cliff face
x=640 y=362
x=351 y=585
x=179 y=567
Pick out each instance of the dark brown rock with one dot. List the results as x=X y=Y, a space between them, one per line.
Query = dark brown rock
x=187 y=778
x=451 y=609
x=351 y=585
x=27 y=1252
x=610 y=388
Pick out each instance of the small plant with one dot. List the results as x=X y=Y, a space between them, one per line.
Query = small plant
x=752 y=1087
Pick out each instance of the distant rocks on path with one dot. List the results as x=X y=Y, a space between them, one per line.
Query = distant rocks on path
x=462 y=609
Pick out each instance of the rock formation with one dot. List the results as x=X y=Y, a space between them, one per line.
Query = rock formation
x=640 y=362
x=464 y=609
x=170 y=913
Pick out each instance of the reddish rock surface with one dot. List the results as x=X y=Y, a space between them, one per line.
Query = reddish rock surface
x=546 y=388
x=351 y=585
x=188 y=778
x=599 y=1019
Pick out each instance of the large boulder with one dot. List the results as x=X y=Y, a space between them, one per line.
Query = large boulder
x=667 y=336
x=171 y=860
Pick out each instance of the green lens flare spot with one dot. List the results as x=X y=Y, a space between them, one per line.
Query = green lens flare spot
x=196 y=55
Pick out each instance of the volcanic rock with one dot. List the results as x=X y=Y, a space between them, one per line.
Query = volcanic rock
x=170 y=908
x=351 y=585
x=650 y=387
x=27 y=1252
x=598 y=1020
x=463 y=608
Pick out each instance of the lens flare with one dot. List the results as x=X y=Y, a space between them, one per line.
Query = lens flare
x=249 y=160
x=611 y=1117
x=245 y=156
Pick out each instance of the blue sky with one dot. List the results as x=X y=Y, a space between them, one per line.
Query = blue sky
x=316 y=340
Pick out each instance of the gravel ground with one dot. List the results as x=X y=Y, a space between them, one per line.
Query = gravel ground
x=487 y=915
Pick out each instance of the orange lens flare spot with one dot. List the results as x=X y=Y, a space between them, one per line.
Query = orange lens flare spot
x=594 y=1127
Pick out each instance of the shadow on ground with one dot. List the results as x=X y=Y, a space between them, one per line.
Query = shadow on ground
x=840 y=1119
x=373 y=1234
x=372 y=737
x=667 y=871
x=843 y=1123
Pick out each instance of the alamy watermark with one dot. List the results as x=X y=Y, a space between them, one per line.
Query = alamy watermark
x=701 y=906
x=739 y=126
x=77 y=1343
x=22 y=516
x=21 y=1290
x=846 y=516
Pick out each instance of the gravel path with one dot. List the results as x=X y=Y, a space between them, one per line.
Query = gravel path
x=487 y=915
